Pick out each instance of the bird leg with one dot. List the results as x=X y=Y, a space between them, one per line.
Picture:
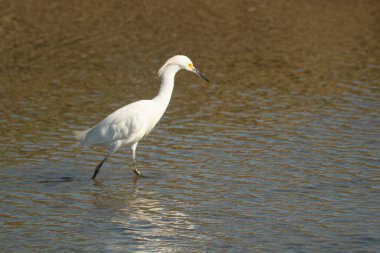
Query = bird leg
x=134 y=169
x=98 y=167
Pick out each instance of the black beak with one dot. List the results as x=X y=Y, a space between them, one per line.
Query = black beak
x=196 y=71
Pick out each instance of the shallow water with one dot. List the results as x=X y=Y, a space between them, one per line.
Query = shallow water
x=280 y=152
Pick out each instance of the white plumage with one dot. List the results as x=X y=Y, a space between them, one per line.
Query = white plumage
x=129 y=124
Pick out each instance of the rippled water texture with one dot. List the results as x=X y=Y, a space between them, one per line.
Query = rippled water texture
x=280 y=152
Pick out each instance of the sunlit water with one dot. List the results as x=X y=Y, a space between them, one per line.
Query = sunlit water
x=280 y=152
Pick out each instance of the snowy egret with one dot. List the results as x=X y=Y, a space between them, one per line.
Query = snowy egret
x=129 y=124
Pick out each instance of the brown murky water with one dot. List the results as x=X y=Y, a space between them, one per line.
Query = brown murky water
x=280 y=152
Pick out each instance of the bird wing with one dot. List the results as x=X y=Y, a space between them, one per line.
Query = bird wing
x=127 y=123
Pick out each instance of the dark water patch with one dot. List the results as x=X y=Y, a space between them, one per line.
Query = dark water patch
x=60 y=180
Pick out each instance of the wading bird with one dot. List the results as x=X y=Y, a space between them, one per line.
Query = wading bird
x=129 y=124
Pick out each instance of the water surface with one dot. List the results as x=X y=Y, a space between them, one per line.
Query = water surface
x=279 y=153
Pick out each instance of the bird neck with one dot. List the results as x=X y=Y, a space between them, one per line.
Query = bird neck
x=167 y=85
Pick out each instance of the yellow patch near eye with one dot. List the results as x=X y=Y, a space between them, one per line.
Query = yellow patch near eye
x=190 y=65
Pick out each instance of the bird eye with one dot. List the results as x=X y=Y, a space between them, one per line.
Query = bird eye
x=190 y=65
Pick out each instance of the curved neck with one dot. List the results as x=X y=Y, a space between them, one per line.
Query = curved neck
x=167 y=85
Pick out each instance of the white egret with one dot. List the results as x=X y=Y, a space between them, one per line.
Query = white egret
x=129 y=124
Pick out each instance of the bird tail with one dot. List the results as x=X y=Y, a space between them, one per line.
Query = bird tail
x=81 y=136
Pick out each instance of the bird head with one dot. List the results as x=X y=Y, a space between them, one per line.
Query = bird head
x=183 y=62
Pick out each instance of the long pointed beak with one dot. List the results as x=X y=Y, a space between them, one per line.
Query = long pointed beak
x=196 y=71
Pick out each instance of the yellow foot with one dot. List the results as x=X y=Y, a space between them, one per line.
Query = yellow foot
x=136 y=172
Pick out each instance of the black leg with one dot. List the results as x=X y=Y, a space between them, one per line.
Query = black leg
x=98 y=167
